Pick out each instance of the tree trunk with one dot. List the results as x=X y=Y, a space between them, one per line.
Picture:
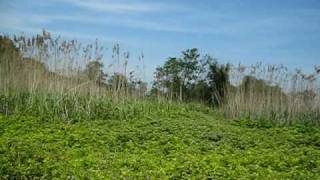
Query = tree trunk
x=180 y=97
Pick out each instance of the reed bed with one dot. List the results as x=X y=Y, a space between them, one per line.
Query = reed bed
x=52 y=77
x=274 y=93
x=47 y=75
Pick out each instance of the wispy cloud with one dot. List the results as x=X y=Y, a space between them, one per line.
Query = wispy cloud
x=136 y=23
x=238 y=29
x=21 y=28
x=112 y=13
x=35 y=25
x=112 y=6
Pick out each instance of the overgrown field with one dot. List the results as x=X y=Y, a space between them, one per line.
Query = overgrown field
x=63 y=115
x=172 y=142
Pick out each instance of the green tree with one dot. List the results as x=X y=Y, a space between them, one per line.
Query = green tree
x=189 y=69
x=168 y=78
x=218 y=77
x=94 y=71
x=192 y=77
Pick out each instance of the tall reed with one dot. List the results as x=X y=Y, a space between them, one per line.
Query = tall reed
x=273 y=93
x=43 y=73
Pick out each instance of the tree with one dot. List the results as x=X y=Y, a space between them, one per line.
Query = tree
x=192 y=78
x=168 y=77
x=95 y=73
x=200 y=91
x=189 y=68
x=218 y=77
x=172 y=70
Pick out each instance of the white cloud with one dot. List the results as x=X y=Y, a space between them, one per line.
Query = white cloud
x=111 y=6
x=136 y=23
x=194 y=22
x=109 y=15
x=25 y=24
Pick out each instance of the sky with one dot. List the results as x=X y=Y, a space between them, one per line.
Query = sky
x=235 y=31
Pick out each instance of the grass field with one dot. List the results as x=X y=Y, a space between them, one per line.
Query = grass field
x=180 y=144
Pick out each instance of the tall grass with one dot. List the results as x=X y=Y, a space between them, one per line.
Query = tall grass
x=49 y=77
x=274 y=93
x=46 y=75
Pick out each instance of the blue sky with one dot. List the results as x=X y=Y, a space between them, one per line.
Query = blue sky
x=246 y=31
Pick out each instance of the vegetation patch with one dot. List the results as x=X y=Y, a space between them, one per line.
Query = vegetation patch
x=193 y=146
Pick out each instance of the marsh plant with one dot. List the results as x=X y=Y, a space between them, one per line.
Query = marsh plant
x=274 y=93
x=48 y=76
x=270 y=93
x=43 y=74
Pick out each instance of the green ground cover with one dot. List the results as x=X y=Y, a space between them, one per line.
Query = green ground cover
x=186 y=144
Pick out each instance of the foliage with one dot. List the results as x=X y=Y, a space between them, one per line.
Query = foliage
x=219 y=83
x=272 y=93
x=166 y=142
x=94 y=71
x=192 y=78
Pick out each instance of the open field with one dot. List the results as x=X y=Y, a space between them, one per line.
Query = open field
x=177 y=142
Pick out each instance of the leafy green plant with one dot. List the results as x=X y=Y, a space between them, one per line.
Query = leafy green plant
x=159 y=144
